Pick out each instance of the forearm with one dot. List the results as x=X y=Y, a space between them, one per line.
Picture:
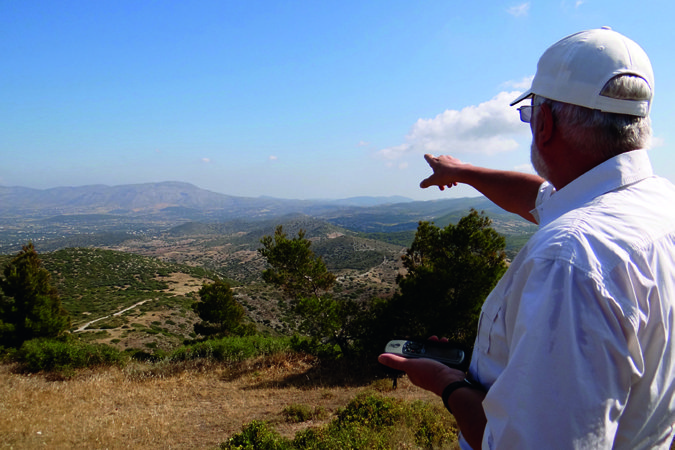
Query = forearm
x=466 y=405
x=515 y=192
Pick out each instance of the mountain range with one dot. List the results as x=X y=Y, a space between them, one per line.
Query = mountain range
x=94 y=215
x=165 y=198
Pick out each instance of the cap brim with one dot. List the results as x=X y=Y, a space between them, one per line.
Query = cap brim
x=523 y=96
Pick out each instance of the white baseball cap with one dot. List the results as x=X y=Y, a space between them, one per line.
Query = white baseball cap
x=575 y=69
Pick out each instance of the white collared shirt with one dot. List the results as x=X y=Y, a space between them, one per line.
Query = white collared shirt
x=575 y=343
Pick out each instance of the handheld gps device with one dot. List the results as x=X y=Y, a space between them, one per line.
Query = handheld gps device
x=450 y=354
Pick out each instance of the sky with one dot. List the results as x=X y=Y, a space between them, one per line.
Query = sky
x=289 y=99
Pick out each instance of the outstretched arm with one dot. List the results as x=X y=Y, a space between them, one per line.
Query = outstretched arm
x=515 y=192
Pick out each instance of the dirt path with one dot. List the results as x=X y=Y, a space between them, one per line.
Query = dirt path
x=83 y=327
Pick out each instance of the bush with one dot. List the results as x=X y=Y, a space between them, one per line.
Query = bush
x=141 y=355
x=313 y=346
x=257 y=436
x=432 y=428
x=232 y=349
x=371 y=409
x=66 y=354
x=387 y=419
x=369 y=421
x=302 y=413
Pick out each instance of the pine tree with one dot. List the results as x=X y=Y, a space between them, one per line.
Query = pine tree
x=30 y=306
x=306 y=282
x=294 y=267
x=221 y=314
x=449 y=273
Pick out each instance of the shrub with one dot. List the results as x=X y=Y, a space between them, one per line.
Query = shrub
x=371 y=409
x=65 y=354
x=302 y=413
x=304 y=344
x=141 y=355
x=257 y=436
x=233 y=348
x=369 y=421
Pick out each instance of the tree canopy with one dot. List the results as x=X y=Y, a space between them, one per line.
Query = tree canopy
x=306 y=282
x=450 y=272
x=220 y=312
x=293 y=265
x=30 y=306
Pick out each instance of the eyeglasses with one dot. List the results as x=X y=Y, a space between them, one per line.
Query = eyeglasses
x=526 y=113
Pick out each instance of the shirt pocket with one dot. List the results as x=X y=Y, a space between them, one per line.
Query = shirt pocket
x=486 y=324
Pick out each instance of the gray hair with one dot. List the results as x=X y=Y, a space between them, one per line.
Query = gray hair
x=605 y=134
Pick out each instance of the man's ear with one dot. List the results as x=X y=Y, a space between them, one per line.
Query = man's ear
x=543 y=126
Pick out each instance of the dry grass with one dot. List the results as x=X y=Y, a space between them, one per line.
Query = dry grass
x=193 y=406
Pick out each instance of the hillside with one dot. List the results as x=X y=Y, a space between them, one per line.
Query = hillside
x=129 y=279
x=94 y=284
x=113 y=248
x=158 y=278
x=364 y=267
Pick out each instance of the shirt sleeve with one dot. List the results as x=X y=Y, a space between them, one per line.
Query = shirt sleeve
x=568 y=373
x=546 y=190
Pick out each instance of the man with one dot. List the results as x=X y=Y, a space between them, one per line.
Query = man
x=574 y=346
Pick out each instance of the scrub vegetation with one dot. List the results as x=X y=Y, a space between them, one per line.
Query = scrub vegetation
x=159 y=353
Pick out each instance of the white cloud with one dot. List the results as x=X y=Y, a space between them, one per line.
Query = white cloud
x=521 y=85
x=363 y=144
x=273 y=158
x=487 y=128
x=206 y=160
x=576 y=4
x=519 y=10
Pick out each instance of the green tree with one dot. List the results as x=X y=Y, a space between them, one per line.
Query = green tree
x=306 y=282
x=221 y=314
x=293 y=265
x=30 y=306
x=450 y=272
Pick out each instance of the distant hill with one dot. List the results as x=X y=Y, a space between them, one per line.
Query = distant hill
x=175 y=203
x=104 y=216
x=168 y=204
x=168 y=199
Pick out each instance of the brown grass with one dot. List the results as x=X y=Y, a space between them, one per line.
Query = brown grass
x=194 y=406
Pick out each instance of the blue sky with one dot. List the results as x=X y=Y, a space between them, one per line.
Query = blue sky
x=292 y=99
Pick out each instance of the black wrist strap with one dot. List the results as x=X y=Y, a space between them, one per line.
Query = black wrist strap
x=452 y=387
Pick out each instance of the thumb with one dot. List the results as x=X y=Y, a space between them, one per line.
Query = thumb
x=393 y=361
x=428 y=182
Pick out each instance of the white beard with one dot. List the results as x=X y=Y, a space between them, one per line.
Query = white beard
x=538 y=163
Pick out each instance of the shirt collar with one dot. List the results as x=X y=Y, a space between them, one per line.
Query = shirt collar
x=619 y=171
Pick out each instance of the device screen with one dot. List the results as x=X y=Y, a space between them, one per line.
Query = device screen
x=447 y=353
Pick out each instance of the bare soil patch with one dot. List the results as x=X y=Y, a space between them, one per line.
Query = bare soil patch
x=182 y=283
